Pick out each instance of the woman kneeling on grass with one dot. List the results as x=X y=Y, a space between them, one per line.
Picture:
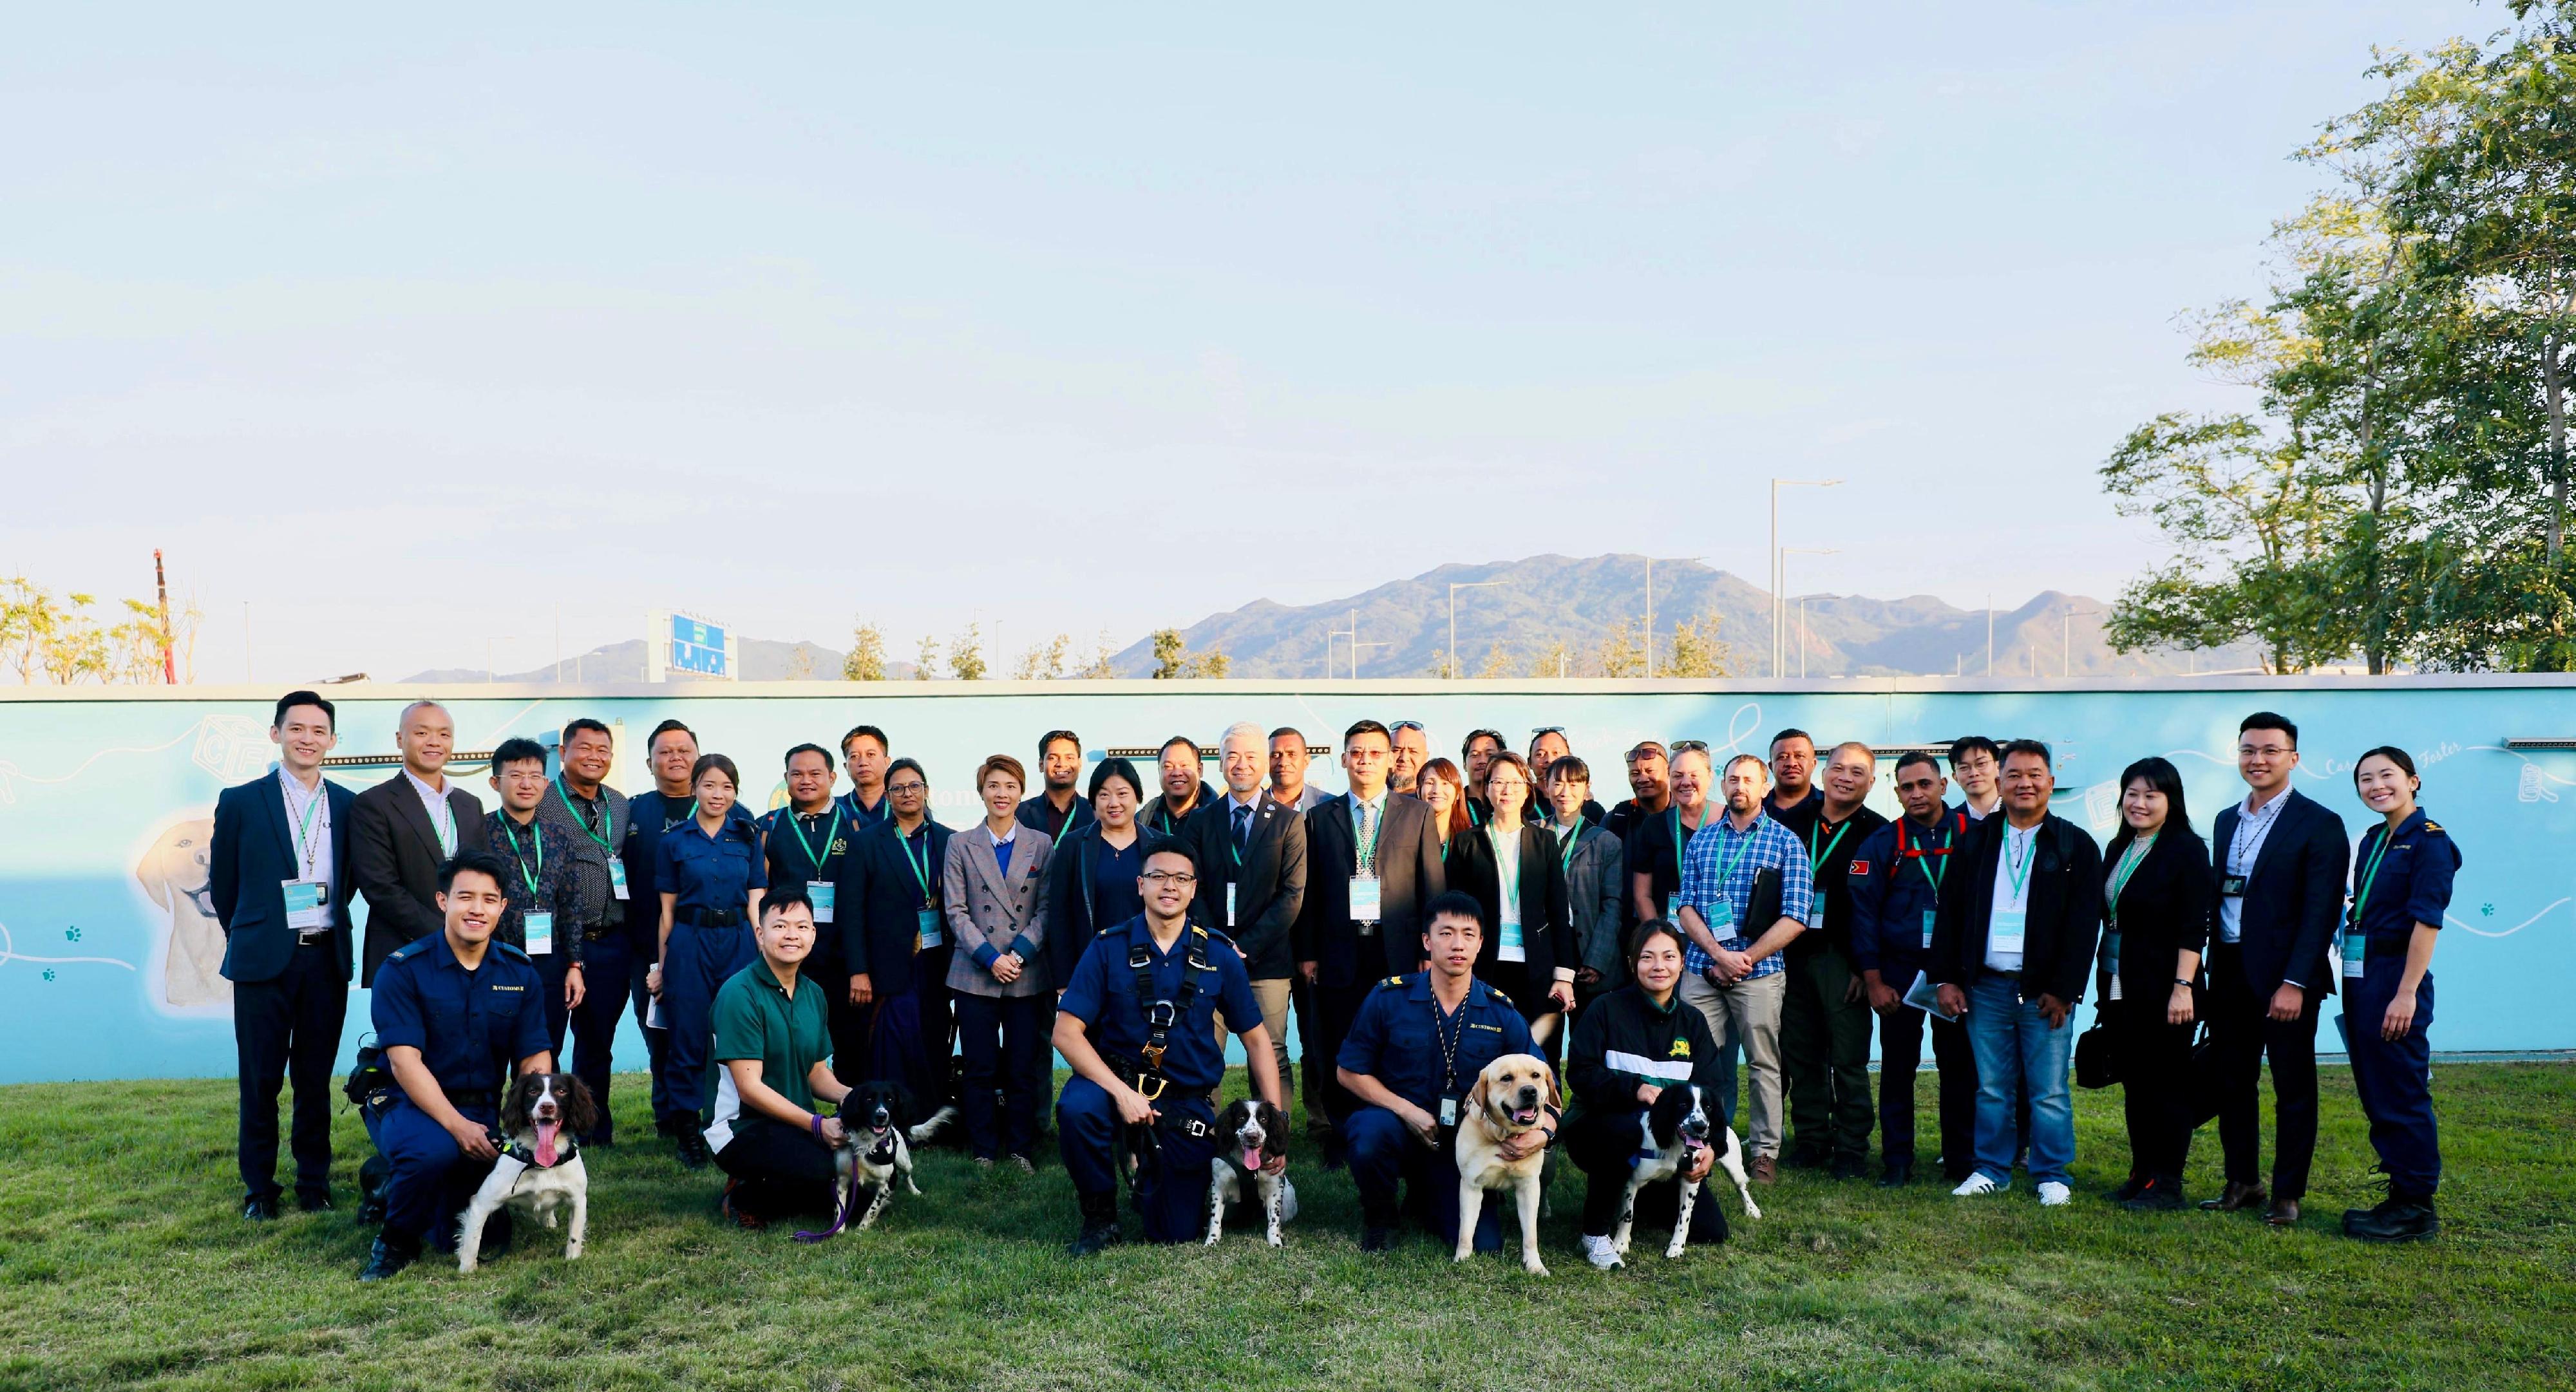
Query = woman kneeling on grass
x=1628 y=1047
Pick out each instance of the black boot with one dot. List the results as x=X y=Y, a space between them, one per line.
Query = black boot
x=371 y=1191
x=2401 y=1218
x=1099 y=1225
x=1377 y=1225
x=389 y=1255
x=693 y=1149
x=1897 y=1174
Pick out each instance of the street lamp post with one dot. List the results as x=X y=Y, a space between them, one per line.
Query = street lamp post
x=1454 y=587
x=1779 y=577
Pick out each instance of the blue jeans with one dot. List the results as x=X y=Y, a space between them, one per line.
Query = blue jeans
x=2019 y=1055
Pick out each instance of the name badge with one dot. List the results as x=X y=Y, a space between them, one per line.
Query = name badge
x=1721 y=919
x=820 y=891
x=927 y=921
x=2232 y=886
x=2355 y=952
x=1364 y=898
x=1820 y=906
x=2006 y=935
x=1448 y=1111
x=1229 y=906
x=1927 y=930
x=1510 y=946
x=1673 y=908
x=617 y=878
x=304 y=901
x=540 y=930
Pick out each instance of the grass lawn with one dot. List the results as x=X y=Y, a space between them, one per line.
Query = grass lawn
x=122 y=1264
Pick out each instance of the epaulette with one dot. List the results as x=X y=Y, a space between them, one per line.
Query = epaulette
x=512 y=953
x=1392 y=981
x=1498 y=993
x=407 y=950
x=2435 y=827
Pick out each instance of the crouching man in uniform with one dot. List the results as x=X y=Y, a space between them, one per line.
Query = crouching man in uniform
x=452 y=1011
x=1137 y=1021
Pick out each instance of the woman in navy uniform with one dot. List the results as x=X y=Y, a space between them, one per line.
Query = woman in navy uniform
x=453 y=1011
x=710 y=876
x=2401 y=884
x=1140 y=1062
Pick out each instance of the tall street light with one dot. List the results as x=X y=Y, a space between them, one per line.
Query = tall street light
x=1454 y=587
x=1778 y=579
x=1802 y=613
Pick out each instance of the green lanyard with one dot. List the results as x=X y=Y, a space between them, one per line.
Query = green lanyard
x=920 y=867
x=1508 y=881
x=1920 y=857
x=304 y=833
x=1681 y=842
x=1726 y=862
x=566 y=795
x=1572 y=835
x=2130 y=859
x=833 y=835
x=2020 y=874
x=1815 y=858
x=2370 y=877
x=519 y=857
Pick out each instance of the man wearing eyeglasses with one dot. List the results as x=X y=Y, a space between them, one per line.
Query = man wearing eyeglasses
x=1547 y=745
x=1412 y=751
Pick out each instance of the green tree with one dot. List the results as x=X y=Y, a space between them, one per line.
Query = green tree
x=925 y=664
x=1698 y=651
x=1170 y=655
x=867 y=659
x=1103 y=664
x=1554 y=660
x=1621 y=652
x=966 y=652
x=1046 y=661
x=1209 y=666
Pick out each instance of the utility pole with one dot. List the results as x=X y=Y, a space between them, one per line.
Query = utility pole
x=1779 y=580
x=161 y=583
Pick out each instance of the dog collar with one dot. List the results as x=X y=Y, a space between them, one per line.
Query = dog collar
x=565 y=1149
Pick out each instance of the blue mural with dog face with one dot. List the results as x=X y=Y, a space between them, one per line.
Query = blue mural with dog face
x=109 y=948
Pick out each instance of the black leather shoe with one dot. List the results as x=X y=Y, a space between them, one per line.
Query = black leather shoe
x=2155 y=1195
x=314 y=1200
x=2284 y=1213
x=1099 y=1225
x=1897 y=1174
x=1376 y=1239
x=1850 y=1167
x=693 y=1151
x=1804 y=1160
x=386 y=1259
x=2397 y=1220
x=259 y=1210
x=2234 y=1197
x=371 y=1192
x=667 y=1124
x=2136 y=1185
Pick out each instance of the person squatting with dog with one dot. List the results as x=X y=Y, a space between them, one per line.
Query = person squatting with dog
x=1630 y=1048
x=773 y=1040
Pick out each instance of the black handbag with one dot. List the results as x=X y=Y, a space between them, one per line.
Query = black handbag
x=2095 y=1065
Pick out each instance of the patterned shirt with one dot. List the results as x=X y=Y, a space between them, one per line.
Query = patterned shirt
x=543 y=853
x=1718 y=870
x=594 y=828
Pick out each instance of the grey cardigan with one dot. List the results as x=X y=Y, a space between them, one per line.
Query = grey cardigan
x=988 y=910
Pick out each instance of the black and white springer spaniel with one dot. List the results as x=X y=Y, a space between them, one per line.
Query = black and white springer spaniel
x=539 y=1173
x=875 y=1151
x=1249 y=1135
x=1674 y=1132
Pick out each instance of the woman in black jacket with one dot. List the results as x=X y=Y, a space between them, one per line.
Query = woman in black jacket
x=2159 y=899
x=1629 y=1046
x=1511 y=867
x=1091 y=874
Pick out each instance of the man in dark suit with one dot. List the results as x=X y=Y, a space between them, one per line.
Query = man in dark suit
x=278 y=872
x=2281 y=859
x=1251 y=858
x=894 y=941
x=1372 y=870
x=404 y=829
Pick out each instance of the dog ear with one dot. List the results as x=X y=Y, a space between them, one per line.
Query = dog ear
x=901 y=1097
x=581 y=1110
x=1555 y=1090
x=1476 y=1095
x=514 y=1109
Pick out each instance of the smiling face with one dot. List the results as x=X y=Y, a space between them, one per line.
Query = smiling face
x=2143 y=806
x=909 y=794
x=1649 y=776
x=2384 y=787
x=1061 y=764
x=1435 y=790
x=715 y=794
x=427 y=736
x=1167 y=882
x=2027 y=785
x=472 y=905
x=1507 y=789
x=1001 y=793
x=1116 y=803
x=1546 y=749
x=1849 y=777
x=520 y=783
x=1480 y=756
x=1180 y=773
x=587 y=755
x=1690 y=779
x=809 y=781
x=1288 y=767
x=1514 y=1088
x=2265 y=758
x=303 y=736
x=1566 y=796
x=786 y=934
x=1975 y=771
x=674 y=753
x=1746 y=782
x=1658 y=965
x=1241 y=760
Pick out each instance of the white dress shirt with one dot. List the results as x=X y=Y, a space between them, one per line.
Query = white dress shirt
x=2243 y=849
x=442 y=818
x=313 y=845
x=2020 y=848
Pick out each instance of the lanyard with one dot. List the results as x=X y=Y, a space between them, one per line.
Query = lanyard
x=2271 y=812
x=519 y=857
x=1815 y=858
x=2020 y=874
x=445 y=826
x=1682 y=839
x=305 y=847
x=1573 y=834
x=1507 y=880
x=594 y=833
x=1450 y=1040
x=828 y=838
x=1920 y=856
x=2370 y=876
x=2130 y=859
x=921 y=867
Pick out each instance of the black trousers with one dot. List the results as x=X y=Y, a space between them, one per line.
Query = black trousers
x=1336 y=1007
x=607 y=965
x=1314 y=1064
x=2155 y=1068
x=289 y=1027
x=849 y=1026
x=1604 y=1146
x=1900 y=1056
x=1003 y=1037
x=777 y=1169
x=1824 y=1057
x=2242 y=1033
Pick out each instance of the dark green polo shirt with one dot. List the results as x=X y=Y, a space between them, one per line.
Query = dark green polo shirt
x=755 y=1019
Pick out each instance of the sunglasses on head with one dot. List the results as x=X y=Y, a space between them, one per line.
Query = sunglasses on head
x=1547 y=730
x=1404 y=725
x=1686 y=746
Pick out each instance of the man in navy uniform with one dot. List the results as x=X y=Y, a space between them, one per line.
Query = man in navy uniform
x=1894 y=891
x=804 y=844
x=1413 y=1053
x=1137 y=1021
x=453 y=1011
x=277 y=872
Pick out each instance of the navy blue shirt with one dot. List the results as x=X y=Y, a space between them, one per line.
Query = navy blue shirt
x=471 y=1027
x=1113 y=881
x=710 y=873
x=650 y=815
x=858 y=815
x=2413 y=884
x=1893 y=888
x=1397 y=1038
x=1102 y=994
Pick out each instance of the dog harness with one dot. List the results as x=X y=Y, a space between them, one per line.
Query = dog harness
x=565 y=1150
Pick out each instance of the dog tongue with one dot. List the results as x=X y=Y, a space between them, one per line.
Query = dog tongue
x=546 y=1141
x=1251 y=1157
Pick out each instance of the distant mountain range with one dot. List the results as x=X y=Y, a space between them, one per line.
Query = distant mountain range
x=1553 y=615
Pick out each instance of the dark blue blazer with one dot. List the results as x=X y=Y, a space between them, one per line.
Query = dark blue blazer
x=2293 y=895
x=874 y=901
x=252 y=856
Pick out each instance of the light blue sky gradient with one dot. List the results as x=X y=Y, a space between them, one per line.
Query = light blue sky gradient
x=406 y=334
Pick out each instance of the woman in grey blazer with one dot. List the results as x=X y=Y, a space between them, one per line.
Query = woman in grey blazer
x=1005 y=1001
x=1595 y=876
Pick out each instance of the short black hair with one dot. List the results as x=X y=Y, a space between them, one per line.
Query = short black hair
x=665 y=728
x=1368 y=727
x=2028 y=746
x=717 y=762
x=790 y=760
x=2404 y=761
x=1116 y=768
x=1656 y=928
x=580 y=723
x=1790 y=733
x=1184 y=742
x=2268 y=720
x=482 y=863
x=292 y=699
x=1966 y=745
x=871 y=731
x=907 y=762
x=1050 y=737
x=1457 y=902
x=1469 y=742
x=518 y=749
x=1286 y=730
x=1911 y=757
x=1164 y=845
x=783 y=897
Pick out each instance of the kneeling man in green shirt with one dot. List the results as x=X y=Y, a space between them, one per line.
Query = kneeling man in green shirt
x=774 y=1043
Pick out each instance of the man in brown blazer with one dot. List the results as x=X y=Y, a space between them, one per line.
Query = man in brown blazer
x=404 y=828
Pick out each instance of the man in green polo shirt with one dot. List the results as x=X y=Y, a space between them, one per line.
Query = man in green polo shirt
x=774 y=1040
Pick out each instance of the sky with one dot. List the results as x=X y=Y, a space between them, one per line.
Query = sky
x=416 y=346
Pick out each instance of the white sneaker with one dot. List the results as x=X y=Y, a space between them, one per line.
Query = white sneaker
x=2054 y=1195
x=1600 y=1252
x=1977 y=1183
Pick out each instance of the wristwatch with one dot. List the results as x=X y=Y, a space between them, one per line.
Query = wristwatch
x=2182 y=981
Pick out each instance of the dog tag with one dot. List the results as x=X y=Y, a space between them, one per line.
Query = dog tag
x=617 y=878
x=820 y=893
x=2006 y=934
x=540 y=931
x=2355 y=953
x=1229 y=906
x=1448 y=1111
x=1364 y=898
x=927 y=920
x=304 y=901
x=1927 y=930
x=2232 y=887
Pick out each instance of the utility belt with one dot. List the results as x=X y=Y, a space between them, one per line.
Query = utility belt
x=1157 y=1089
x=709 y=918
x=462 y=1098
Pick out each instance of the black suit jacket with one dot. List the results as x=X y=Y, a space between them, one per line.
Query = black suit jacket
x=1547 y=936
x=2293 y=895
x=252 y=856
x=875 y=898
x=1408 y=864
x=1270 y=887
x=2167 y=908
x=2064 y=910
x=395 y=857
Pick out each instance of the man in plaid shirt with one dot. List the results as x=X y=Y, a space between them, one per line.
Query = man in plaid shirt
x=1733 y=975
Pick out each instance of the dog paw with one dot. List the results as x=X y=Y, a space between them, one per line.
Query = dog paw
x=1534 y=1267
x=1275 y=1242
x=1673 y=1253
x=1751 y=1212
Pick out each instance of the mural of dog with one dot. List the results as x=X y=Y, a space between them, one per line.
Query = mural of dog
x=174 y=873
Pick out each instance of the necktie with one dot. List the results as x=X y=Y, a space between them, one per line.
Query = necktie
x=1368 y=844
x=1242 y=828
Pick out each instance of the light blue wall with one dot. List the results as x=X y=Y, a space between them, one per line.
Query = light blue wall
x=100 y=799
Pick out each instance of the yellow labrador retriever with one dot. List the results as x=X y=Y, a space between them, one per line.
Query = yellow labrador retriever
x=1509 y=1099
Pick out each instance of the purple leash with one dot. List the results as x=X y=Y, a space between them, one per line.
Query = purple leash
x=849 y=1199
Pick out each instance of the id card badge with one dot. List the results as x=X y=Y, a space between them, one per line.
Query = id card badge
x=2355 y=952
x=820 y=892
x=1364 y=898
x=1673 y=908
x=1448 y=1111
x=1721 y=919
x=304 y=901
x=1229 y=906
x=2006 y=935
x=1927 y=930
x=927 y=921
x=617 y=879
x=540 y=932
x=2231 y=887
x=1820 y=905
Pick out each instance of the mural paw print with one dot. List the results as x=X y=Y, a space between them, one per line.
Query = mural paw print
x=49 y=973
x=71 y=935
x=2486 y=910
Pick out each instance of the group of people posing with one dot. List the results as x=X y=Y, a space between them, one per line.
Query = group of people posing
x=1430 y=919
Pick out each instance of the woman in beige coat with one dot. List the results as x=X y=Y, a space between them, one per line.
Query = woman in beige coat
x=998 y=974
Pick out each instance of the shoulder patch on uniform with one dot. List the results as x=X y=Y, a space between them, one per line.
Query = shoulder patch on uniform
x=1859 y=867
x=406 y=950
x=2435 y=827
x=1499 y=994
x=1392 y=981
